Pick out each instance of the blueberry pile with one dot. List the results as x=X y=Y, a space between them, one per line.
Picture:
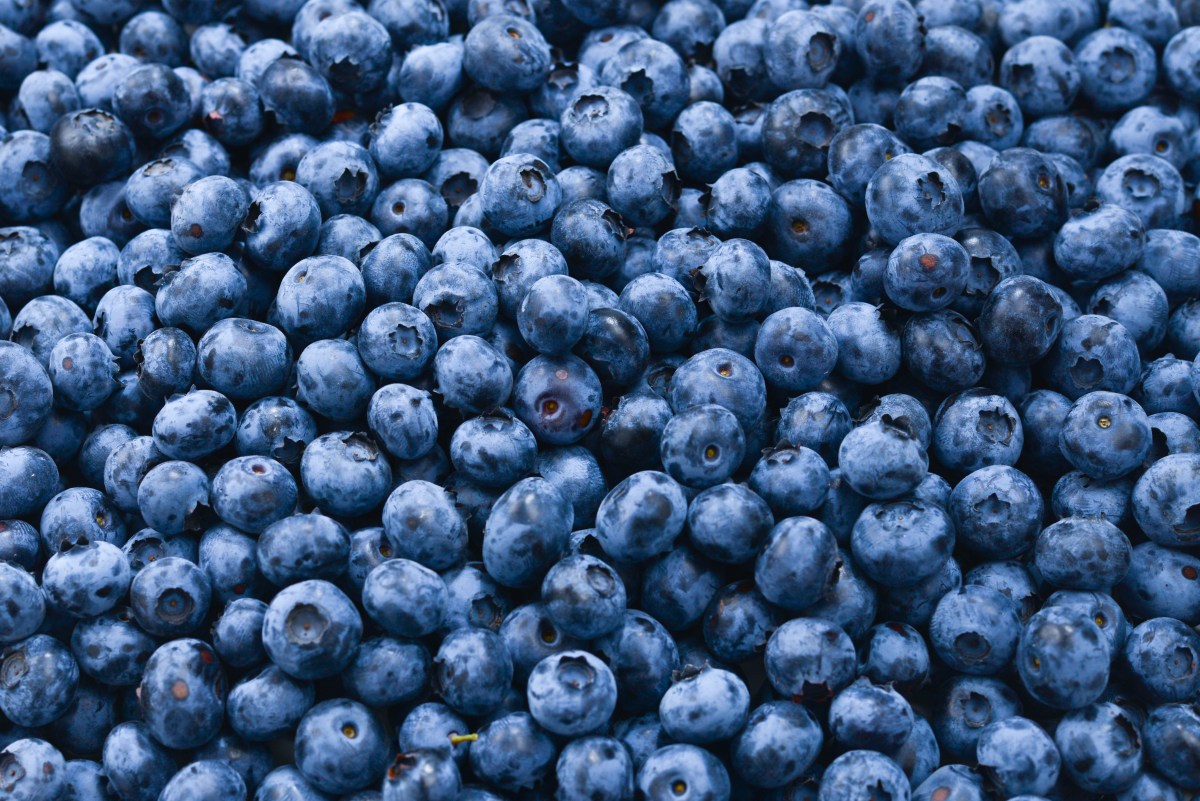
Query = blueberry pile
x=599 y=400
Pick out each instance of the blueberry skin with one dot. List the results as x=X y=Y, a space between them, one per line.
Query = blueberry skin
x=816 y=420
x=243 y=359
x=136 y=766
x=288 y=781
x=901 y=543
x=975 y=630
x=183 y=680
x=1106 y=435
x=429 y=726
x=894 y=653
x=166 y=363
x=1164 y=500
x=1020 y=321
x=1146 y=185
x=1162 y=654
x=809 y=659
x=472 y=671
x=311 y=630
x=1022 y=194
x=83 y=779
x=530 y=636
x=25 y=606
x=598 y=124
x=967 y=706
x=642 y=656
x=1093 y=353
x=30 y=480
x=684 y=767
x=85 y=271
x=237 y=634
x=912 y=194
x=26 y=393
x=1082 y=554
x=422 y=773
x=45 y=679
x=404 y=421
x=1063 y=658
x=345 y=473
x=194 y=425
x=78 y=514
x=332 y=380
x=641 y=516
x=1042 y=74
x=397 y=341
x=252 y=492
x=281 y=225
x=997 y=512
x=796 y=564
x=865 y=715
x=78 y=142
x=340 y=746
x=458 y=298
x=1149 y=785
x=84 y=580
x=1167 y=734
x=405 y=598
x=691 y=712
x=880 y=459
x=205 y=778
x=506 y=53
x=303 y=546
x=642 y=185
x=571 y=693
x=1019 y=757
x=422 y=524
x=206 y=216
x=974 y=429
x=267 y=704
x=598 y=768
x=170 y=597
x=850 y=775
x=319 y=297
x=576 y=473
x=558 y=398
x=512 y=753
x=728 y=523
x=1099 y=242
x=1101 y=747
x=526 y=531
x=778 y=745
x=678 y=586
x=1158 y=583
x=868 y=344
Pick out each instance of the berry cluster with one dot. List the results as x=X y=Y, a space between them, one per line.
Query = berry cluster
x=599 y=400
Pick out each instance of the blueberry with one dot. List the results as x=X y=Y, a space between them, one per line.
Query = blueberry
x=975 y=630
x=1063 y=658
x=311 y=630
x=340 y=747
x=682 y=771
x=422 y=773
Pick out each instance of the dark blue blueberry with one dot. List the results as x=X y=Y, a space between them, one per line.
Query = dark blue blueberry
x=183 y=682
x=1101 y=747
x=809 y=659
x=975 y=630
x=423 y=525
x=870 y=716
x=340 y=747
x=912 y=194
x=901 y=543
x=1063 y=658
x=237 y=634
x=311 y=630
x=682 y=771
